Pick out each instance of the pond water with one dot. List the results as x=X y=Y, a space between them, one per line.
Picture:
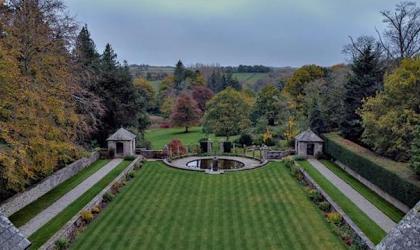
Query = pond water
x=218 y=164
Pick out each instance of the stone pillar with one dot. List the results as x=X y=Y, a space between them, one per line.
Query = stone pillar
x=208 y=147
x=221 y=148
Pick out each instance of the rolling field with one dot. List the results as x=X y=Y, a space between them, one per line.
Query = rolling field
x=164 y=208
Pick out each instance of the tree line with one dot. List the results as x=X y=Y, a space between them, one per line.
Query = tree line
x=58 y=95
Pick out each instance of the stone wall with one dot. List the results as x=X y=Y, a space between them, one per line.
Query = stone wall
x=70 y=228
x=398 y=204
x=150 y=154
x=363 y=238
x=406 y=235
x=278 y=154
x=20 y=200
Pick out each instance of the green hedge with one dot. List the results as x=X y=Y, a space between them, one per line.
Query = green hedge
x=403 y=189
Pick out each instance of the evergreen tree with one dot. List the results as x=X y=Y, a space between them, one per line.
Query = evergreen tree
x=125 y=105
x=85 y=49
x=316 y=122
x=415 y=151
x=365 y=81
x=179 y=76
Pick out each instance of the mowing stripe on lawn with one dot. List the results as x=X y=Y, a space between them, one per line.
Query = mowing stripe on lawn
x=369 y=227
x=24 y=215
x=163 y=208
x=387 y=208
x=51 y=227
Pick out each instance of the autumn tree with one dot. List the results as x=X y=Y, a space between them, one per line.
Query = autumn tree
x=185 y=112
x=295 y=85
x=390 y=118
x=202 y=95
x=365 y=80
x=269 y=104
x=227 y=113
x=38 y=119
x=146 y=90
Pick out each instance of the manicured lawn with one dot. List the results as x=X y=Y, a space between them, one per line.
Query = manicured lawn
x=164 y=208
x=387 y=208
x=162 y=136
x=27 y=213
x=49 y=229
x=370 y=228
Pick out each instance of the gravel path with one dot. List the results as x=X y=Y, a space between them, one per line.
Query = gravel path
x=50 y=212
x=368 y=208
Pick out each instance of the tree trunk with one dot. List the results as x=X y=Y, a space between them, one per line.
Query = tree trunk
x=186 y=129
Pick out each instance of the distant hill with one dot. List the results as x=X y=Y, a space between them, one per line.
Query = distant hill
x=254 y=81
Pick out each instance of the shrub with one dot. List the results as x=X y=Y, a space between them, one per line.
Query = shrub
x=390 y=176
x=245 y=139
x=129 y=158
x=324 y=206
x=314 y=195
x=111 y=153
x=107 y=197
x=320 y=155
x=87 y=216
x=176 y=148
x=165 y=125
x=298 y=158
x=289 y=163
x=96 y=209
x=334 y=217
x=61 y=244
x=227 y=147
x=131 y=175
x=115 y=188
x=282 y=144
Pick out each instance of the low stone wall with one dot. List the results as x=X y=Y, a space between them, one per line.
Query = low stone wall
x=71 y=226
x=308 y=179
x=150 y=154
x=20 y=200
x=272 y=155
x=398 y=204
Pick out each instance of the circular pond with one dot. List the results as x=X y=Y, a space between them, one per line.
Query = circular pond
x=215 y=164
x=218 y=164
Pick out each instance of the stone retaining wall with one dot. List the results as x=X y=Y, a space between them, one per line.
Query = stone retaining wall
x=271 y=155
x=150 y=154
x=20 y=200
x=398 y=204
x=71 y=226
x=308 y=179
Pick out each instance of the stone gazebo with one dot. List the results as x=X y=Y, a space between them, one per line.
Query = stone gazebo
x=308 y=143
x=122 y=142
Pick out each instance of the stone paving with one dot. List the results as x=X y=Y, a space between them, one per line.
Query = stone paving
x=368 y=208
x=46 y=215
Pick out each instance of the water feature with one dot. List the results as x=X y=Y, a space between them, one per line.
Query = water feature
x=215 y=164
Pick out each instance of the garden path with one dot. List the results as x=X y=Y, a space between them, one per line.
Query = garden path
x=368 y=208
x=50 y=212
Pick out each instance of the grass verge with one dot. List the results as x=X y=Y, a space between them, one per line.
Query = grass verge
x=49 y=229
x=387 y=208
x=369 y=227
x=24 y=215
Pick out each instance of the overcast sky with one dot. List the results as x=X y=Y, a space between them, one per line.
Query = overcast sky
x=229 y=32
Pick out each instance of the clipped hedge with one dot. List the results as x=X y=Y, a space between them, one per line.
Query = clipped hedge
x=397 y=185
